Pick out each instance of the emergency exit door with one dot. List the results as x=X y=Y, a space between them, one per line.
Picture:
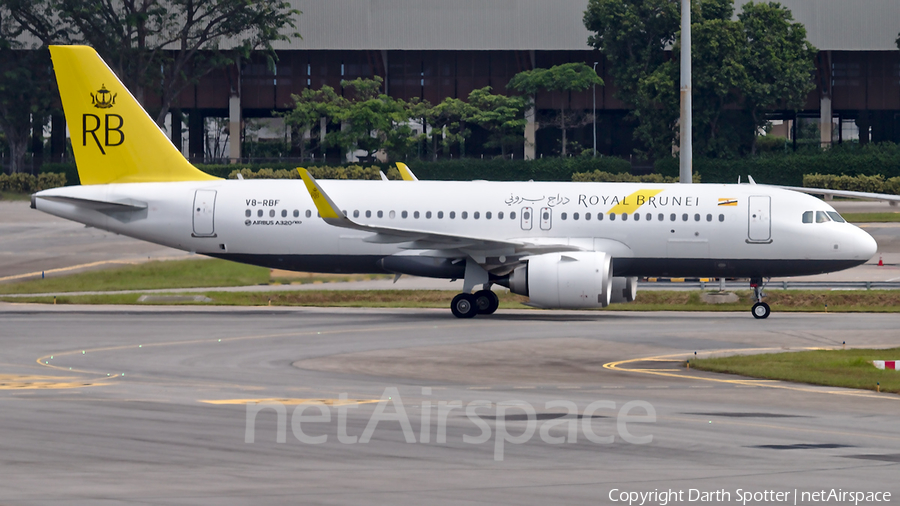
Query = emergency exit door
x=204 y=213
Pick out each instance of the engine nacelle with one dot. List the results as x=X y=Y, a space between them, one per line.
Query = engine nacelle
x=623 y=290
x=572 y=280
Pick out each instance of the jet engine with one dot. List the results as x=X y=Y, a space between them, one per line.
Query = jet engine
x=579 y=279
x=623 y=290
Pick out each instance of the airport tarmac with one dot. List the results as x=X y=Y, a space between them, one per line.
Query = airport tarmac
x=154 y=408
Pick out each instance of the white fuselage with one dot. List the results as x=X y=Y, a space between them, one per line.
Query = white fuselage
x=681 y=230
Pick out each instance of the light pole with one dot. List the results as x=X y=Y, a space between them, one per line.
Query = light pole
x=594 y=112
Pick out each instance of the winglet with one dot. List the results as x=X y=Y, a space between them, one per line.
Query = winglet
x=405 y=173
x=326 y=207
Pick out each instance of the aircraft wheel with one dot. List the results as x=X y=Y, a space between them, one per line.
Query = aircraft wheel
x=463 y=306
x=486 y=301
x=760 y=310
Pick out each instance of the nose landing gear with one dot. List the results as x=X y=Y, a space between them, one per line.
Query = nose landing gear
x=760 y=310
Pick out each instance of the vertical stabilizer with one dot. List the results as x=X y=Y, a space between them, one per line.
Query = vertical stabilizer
x=114 y=139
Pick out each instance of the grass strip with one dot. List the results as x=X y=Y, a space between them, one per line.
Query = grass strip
x=873 y=301
x=872 y=217
x=195 y=273
x=836 y=368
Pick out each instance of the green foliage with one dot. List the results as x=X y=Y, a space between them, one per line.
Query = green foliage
x=566 y=77
x=789 y=168
x=320 y=172
x=26 y=183
x=605 y=177
x=756 y=63
x=859 y=183
x=544 y=169
x=780 y=61
x=502 y=116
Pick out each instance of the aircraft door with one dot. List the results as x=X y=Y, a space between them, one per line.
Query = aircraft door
x=527 y=218
x=204 y=213
x=546 y=217
x=759 y=216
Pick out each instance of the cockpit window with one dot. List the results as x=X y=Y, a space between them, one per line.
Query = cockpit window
x=822 y=217
x=807 y=217
x=836 y=216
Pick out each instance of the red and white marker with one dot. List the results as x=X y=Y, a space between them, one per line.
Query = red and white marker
x=885 y=364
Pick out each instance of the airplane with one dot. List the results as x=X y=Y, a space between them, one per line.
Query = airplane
x=562 y=244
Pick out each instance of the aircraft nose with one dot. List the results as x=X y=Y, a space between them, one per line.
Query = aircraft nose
x=864 y=245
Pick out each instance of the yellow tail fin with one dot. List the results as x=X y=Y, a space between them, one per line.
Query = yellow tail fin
x=113 y=138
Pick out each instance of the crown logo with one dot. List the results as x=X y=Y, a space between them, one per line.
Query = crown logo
x=103 y=99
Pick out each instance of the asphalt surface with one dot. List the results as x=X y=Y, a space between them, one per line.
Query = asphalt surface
x=154 y=409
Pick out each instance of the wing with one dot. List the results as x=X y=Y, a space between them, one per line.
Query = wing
x=845 y=193
x=497 y=253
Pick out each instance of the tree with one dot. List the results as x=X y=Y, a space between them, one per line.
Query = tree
x=367 y=118
x=567 y=77
x=502 y=116
x=758 y=62
x=780 y=61
x=26 y=88
x=448 y=125
x=310 y=107
x=163 y=46
x=633 y=36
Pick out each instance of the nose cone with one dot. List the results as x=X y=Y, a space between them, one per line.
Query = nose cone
x=863 y=246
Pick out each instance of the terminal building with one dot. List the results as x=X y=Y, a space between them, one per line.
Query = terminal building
x=432 y=49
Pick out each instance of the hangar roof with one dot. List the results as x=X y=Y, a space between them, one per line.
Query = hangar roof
x=851 y=25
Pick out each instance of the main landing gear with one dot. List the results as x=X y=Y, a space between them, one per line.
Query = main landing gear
x=467 y=305
x=760 y=310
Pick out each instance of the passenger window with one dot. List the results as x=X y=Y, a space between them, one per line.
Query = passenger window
x=599 y=216
x=836 y=217
x=587 y=216
x=427 y=215
x=637 y=216
x=697 y=217
x=487 y=215
x=684 y=217
x=721 y=217
x=356 y=213
x=404 y=214
x=624 y=216
x=649 y=217
x=296 y=213
x=284 y=213
x=612 y=216
x=476 y=215
x=512 y=215
x=416 y=215
x=271 y=213
x=368 y=214
x=708 y=217
x=575 y=216
x=440 y=215
x=259 y=213
x=308 y=213
x=562 y=216
x=661 y=217
x=464 y=215
x=248 y=213
x=381 y=214
x=392 y=215
x=499 y=215
x=672 y=217
x=821 y=217
x=452 y=215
